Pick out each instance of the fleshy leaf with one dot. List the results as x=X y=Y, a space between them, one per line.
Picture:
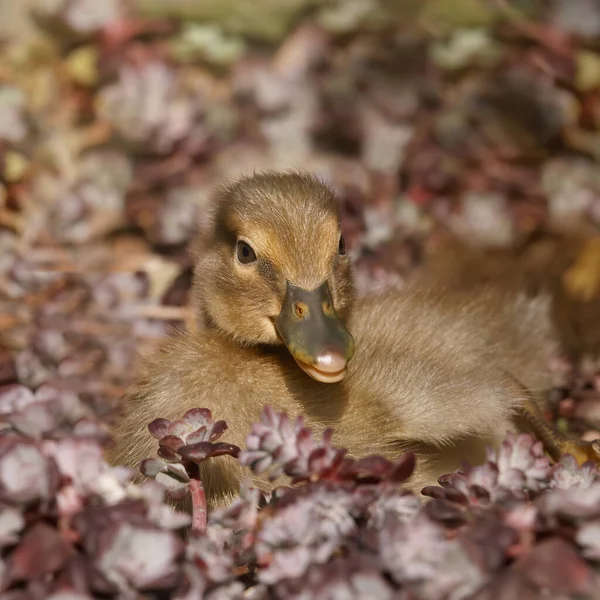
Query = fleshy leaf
x=178 y=471
x=198 y=417
x=179 y=429
x=196 y=436
x=217 y=430
x=171 y=442
x=175 y=489
x=159 y=428
x=41 y=552
x=151 y=467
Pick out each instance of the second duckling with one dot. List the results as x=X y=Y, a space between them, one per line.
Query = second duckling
x=432 y=368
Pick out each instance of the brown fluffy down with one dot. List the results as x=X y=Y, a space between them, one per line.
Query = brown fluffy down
x=435 y=363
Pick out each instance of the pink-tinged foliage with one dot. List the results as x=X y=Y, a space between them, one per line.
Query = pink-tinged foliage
x=353 y=517
x=183 y=444
x=151 y=108
x=519 y=469
x=345 y=526
x=275 y=443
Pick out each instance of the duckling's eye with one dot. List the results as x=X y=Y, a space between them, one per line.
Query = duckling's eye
x=342 y=246
x=245 y=254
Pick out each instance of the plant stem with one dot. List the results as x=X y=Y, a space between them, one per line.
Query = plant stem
x=199 y=511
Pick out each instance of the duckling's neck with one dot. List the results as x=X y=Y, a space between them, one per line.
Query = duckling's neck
x=204 y=322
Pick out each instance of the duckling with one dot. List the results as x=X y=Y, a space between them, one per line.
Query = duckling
x=429 y=368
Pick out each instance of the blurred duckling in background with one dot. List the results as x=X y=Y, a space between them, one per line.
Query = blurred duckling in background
x=435 y=368
x=565 y=265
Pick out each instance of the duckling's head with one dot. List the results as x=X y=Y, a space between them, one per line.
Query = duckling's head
x=273 y=269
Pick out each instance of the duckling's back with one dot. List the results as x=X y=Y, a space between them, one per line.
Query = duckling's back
x=444 y=361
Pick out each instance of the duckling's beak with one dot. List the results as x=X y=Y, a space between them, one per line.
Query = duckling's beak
x=314 y=334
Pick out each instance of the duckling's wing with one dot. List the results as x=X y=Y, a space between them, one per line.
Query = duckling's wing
x=437 y=358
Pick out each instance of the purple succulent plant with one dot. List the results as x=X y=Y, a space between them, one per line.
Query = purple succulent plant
x=52 y=412
x=152 y=107
x=520 y=469
x=345 y=526
x=276 y=444
x=183 y=445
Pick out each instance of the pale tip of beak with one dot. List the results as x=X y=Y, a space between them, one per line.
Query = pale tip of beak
x=330 y=367
x=330 y=361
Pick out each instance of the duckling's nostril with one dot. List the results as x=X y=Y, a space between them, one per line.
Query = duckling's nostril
x=330 y=361
x=327 y=308
x=301 y=310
